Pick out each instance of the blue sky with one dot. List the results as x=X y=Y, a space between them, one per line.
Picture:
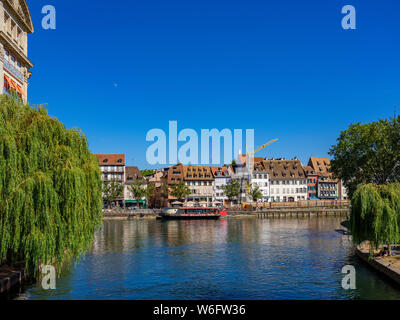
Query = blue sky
x=284 y=68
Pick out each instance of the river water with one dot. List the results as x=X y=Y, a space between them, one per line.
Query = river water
x=245 y=258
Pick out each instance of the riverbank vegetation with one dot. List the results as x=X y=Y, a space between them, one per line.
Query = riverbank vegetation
x=112 y=189
x=368 y=153
x=140 y=190
x=231 y=190
x=367 y=160
x=375 y=215
x=50 y=188
x=180 y=191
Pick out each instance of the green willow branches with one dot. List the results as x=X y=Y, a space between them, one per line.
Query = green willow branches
x=50 y=188
x=375 y=214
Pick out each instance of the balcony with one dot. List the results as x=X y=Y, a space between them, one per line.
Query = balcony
x=10 y=68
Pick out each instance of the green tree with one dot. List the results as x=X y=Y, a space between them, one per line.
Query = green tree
x=146 y=172
x=180 y=190
x=138 y=190
x=232 y=190
x=367 y=153
x=255 y=193
x=164 y=192
x=111 y=190
x=50 y=188
x=375 y=215
x=150 y=192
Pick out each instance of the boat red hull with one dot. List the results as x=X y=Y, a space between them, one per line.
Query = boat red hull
x=187 y=215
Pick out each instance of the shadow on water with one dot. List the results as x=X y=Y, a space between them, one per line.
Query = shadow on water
x=226 y=259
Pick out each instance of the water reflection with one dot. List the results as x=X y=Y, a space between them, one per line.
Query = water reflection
x=226 y=259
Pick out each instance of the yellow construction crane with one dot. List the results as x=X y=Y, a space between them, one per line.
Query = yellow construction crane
x=252 y=154
x=260 y=148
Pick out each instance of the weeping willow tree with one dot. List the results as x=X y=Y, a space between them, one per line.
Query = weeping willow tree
x=50 y=188
x=375 y=215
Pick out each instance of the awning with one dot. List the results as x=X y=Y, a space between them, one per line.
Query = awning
x=16 y=87
x=13 y=85
x=134 y=201
x=9 y=82
x=19 y=89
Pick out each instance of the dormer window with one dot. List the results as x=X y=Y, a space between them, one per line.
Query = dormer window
x=105 y=160
x=119 y=161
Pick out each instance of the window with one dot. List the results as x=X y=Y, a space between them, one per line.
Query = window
x=19 y=36
x=13 y=30
x=7 y=23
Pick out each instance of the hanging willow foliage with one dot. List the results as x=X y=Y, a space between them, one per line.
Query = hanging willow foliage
x=50 y=188
x=375 y=214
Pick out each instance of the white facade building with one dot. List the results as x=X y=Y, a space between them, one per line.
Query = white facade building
x=241 y=173
x=288 y=182
x=15 y=25
x=221 y=178
x=112 y=167
x=343 y=191
x=290 y=190
x=260 y=178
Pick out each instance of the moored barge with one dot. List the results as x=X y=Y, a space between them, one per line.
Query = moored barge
x=193 y=213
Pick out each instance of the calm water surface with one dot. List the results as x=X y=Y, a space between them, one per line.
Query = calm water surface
x=226 y=259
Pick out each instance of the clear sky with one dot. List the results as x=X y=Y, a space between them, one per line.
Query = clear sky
x=286 y=69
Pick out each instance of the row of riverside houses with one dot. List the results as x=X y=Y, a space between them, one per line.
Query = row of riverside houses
x=112 y=167
x=279 y=180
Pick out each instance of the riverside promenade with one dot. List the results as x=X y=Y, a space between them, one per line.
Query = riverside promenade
x=388 y=266
x=301 y=212
x=120 y=214
x=283 y=212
